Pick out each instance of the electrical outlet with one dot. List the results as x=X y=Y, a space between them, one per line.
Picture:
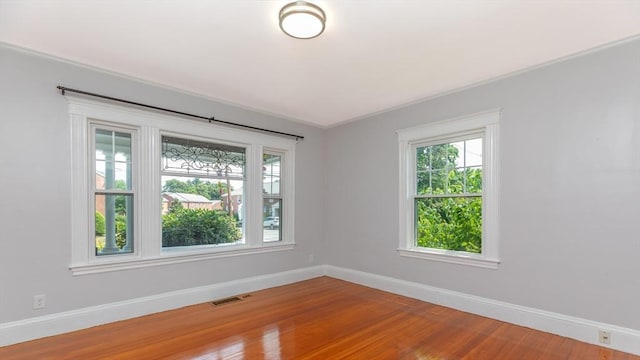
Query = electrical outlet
x=312 y=258
x=39 y=302
x=604 y=337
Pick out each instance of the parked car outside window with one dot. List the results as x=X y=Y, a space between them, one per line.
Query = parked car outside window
x=271 y=222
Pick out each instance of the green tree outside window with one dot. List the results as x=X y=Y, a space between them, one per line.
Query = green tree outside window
x=448 y=201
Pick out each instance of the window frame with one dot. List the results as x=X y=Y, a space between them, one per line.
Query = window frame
x=486 y=124
x=149 y=127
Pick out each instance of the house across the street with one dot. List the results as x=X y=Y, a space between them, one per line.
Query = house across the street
x=189 y=201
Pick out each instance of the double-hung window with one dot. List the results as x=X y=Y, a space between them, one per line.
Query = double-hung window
x=272 y=206
x=448 y=192
x=113 y=184
x=151 y=189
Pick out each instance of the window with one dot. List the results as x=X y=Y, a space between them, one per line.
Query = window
x=113 y=181
x=151 y=189
x=448 y=204
x=202 y=185
x=272 y=202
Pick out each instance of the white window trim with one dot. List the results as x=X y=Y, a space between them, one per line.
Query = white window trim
x=148 y=250
x=487 y=122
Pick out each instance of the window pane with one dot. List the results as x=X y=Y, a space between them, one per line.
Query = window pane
x=455 y=154
x=201 y=211
x=113 y=160
x=473 y=152
x=440 y=157
x=456 y=181
x=449 y=168
x=271 y=165
x=440 y=182
x=113 y=224
x=196 y=158
x=450 y=223
x=423 y=158
x=272 y=228
x=474 y=179
x=424 y=183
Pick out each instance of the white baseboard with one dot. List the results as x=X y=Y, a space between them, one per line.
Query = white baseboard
x=54 y=324
x=622 y=339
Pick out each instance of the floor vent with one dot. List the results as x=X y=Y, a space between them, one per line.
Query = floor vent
x=226 y=300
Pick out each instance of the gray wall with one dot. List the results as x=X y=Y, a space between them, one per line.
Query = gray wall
x=570 y=170
x=35 y=193
x=570 y=198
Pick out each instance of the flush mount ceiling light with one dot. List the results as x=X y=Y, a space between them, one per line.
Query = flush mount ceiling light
x=302 y=20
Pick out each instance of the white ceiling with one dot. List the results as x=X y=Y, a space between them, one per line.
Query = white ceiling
x=374 y=55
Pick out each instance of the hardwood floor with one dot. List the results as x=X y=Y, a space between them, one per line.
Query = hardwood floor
x=322 y=318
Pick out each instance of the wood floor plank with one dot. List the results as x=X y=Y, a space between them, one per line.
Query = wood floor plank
x=321 y=318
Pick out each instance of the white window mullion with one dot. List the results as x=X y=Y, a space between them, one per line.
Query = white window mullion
x=287 y=192
x=490 y=209
x=80 y=250
x=405 y=194
x=253 y=204
x=149 y=215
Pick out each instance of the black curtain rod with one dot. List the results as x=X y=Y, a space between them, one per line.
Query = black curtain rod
x=209 y=119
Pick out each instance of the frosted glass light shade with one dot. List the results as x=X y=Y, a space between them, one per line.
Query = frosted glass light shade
x=302 y=20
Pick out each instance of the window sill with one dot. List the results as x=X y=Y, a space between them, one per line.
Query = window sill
x=452 y=257
x=174 y=257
